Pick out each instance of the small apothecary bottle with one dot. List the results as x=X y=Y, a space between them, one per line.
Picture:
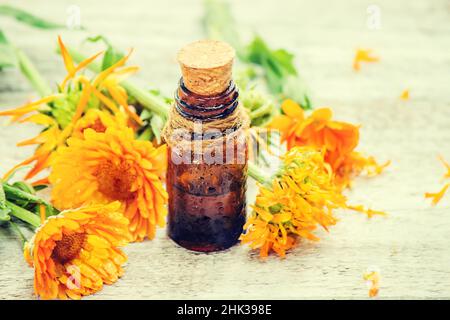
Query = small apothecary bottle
x=206 y=135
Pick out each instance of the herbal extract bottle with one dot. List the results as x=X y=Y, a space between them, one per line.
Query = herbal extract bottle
x=205 y=133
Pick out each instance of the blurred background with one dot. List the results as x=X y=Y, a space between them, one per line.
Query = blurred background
x=412 y=40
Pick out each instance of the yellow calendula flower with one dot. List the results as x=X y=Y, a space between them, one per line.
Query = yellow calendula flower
x=76 y=252
x=113 y=166
x=300 y=198
x=61 y=112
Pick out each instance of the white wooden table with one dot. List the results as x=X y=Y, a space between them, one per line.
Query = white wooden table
x=410 y=247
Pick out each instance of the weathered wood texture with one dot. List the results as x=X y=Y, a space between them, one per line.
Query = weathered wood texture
x=409 y=247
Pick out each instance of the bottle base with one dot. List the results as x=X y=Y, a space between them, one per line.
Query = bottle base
x=206 y=233
x=203 y=248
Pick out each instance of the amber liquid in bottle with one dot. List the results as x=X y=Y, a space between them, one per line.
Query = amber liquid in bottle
x=207 y=203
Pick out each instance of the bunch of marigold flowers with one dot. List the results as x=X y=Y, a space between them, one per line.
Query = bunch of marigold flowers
x=76 y=251
x=108 y=182
x=89 y=142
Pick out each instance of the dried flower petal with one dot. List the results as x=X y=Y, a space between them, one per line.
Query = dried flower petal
x=373 y=281
x=438 y=195
x=363 y=55
x=405 y=95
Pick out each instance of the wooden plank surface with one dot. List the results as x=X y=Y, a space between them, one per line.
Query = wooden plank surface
x=409 y=247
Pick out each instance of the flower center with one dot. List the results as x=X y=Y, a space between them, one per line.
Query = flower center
x=97 y=126
x=68 y=247
x=116 y=181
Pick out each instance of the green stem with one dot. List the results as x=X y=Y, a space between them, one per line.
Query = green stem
x=264 y=109
x=144 y=97
x=148 y=100
x=32 y=74
x=22 y=195
x=256 y=173
x=24 y=215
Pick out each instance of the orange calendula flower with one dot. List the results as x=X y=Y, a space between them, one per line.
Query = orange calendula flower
x=373 y=282
x=338 y=139
x=76 y=252
x=110 y=166
x=300 y=198
x=363 y=55
x=60 y=113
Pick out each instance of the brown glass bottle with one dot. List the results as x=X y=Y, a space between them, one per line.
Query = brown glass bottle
x=207 y=203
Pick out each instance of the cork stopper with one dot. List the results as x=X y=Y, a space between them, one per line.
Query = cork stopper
x=206 y=66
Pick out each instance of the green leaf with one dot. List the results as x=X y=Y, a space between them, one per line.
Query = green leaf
x=111 y=56
x=278 y=63
x=15 y=194
x=24 y=186
x=28 y=18
x=285 y=59
x=280 y=73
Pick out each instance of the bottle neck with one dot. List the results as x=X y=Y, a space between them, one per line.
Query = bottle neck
x=206 y=108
